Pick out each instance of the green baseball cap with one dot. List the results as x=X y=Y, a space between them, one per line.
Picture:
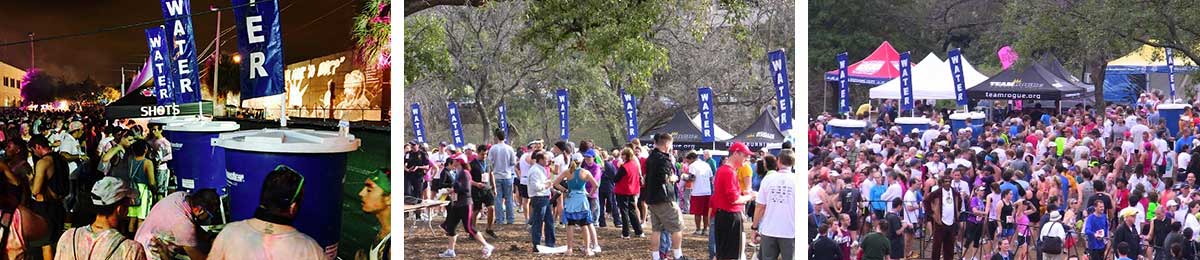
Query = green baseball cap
x=382 y=178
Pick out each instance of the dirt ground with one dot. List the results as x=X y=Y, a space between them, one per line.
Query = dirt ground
x=513 y=242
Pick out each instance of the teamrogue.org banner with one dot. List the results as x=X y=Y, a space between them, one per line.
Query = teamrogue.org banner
x=994 y=95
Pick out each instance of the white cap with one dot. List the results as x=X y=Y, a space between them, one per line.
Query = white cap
x=469 y=146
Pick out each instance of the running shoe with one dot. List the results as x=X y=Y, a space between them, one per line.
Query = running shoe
x=447 y=254
x=487 y=251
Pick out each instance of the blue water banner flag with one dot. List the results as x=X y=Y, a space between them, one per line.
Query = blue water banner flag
x=503 y=120
x=261 y=44
x=160 y=65
x=455 y=125
x=706 y=110
x=843 y=84
x=782 y=88
x=906 y=95
x=178 y=14
x=563 y=117
x=418 y=124
x=1171 y=73
x=956 y=71
x=631 y=123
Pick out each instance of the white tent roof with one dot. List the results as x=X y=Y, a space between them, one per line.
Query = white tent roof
x=719 y=134
x=931 y=79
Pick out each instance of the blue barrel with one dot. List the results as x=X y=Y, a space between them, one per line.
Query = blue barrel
x=196 y=163
x=320 y=156
x=959 y=121
x=977 y=118
x=1171 y=114
x=842 y=128
x=907 y=124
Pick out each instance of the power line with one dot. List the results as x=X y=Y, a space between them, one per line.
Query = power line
x=321 y=17
x=128 y=26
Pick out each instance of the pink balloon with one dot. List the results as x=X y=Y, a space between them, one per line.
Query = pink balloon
x=1007 y=57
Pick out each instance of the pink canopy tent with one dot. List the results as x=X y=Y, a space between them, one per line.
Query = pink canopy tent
x=881 y=66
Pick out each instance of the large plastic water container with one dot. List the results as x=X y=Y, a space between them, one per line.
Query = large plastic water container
x=959 y=121
x=907 y=124
x=977 y=118
x=843 y=128
x=195 y=161
x=320 y=156
x=1171 y=114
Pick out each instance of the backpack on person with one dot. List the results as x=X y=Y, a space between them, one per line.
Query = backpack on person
x=1050 y=244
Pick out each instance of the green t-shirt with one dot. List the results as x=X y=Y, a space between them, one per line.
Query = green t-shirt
x=1150 y=209
x=1059 y=143
x=876 y=246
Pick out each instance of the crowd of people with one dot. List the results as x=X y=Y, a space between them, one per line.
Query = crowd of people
x=79 y=186
x=1027 y=183
x=641 y=189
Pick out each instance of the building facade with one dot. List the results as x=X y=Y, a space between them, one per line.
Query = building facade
x=11 y=79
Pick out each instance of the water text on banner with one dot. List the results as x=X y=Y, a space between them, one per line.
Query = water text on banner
x=178 y=14
x=259 y=40
x=631 y=124
x=956 y=71
x=706 y=123
x=906 y=95
x=455 y=125
x=1171 y=73
x=161 y=66
x=843 y=85
x=418 y=124
x=782 y=88
x=563 y=116
x=503 y=120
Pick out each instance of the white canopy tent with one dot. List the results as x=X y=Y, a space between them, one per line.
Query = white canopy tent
x=931 y=79
x=718 y=133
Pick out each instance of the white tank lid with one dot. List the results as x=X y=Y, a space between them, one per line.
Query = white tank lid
x=959 y=116
x=175 y=119
x=203 y=126
x=912 y=120
x=1174 y=106
x=272 y=140
x=978 y=115
x=844 y=123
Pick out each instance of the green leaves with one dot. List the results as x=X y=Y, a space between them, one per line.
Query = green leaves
x=425 y=48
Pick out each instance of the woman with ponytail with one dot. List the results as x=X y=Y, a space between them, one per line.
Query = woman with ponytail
x=576 y=209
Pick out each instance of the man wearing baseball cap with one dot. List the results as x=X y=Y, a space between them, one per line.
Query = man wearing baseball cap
x=728 y=199
x=270 y=234
x=102 y=239
x=376 y=201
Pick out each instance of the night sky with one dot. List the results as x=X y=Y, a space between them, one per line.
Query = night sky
x=102 y=55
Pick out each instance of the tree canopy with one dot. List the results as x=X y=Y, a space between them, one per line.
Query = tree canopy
x=518 y=53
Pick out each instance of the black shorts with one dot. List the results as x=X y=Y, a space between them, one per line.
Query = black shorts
x=990 y=231
x=973 y=232
x=455 y=216
x=853 y=225
x=727 y=230
x=522 y=191
x=483 y=198
x=1021 y=240
x=897 y=248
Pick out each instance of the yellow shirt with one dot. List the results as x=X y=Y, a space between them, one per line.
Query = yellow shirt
x=743 y=174
x=864 y=108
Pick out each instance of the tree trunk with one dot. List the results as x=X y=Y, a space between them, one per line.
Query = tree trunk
x=1097 y=67
x=484 y=118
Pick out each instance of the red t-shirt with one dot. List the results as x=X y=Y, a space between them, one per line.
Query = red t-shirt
x=726 y=190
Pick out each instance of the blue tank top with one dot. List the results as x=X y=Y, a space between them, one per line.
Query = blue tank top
x=576 y=200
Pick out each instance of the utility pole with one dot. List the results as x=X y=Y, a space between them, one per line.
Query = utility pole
x=31 y=59
x=216 y=62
